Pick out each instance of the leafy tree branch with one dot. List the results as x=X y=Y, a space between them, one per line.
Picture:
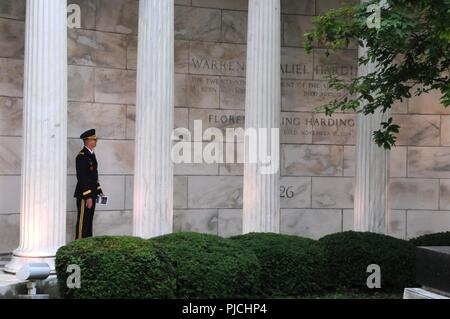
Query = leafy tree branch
x=410 y=49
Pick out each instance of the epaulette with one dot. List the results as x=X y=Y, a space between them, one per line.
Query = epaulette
x=81 y=153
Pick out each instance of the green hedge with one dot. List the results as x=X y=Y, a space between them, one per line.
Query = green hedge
x=438 y=239
x=291 y=265
x=193 y=265
x=116 y=267
x=211 y=267
x=350 y=253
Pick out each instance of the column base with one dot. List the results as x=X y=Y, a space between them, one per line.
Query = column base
x=17 y=262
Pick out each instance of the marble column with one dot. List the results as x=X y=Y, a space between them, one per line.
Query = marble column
x=44 y=148
x=371 y=211
x=153 y=175
x=262 y=111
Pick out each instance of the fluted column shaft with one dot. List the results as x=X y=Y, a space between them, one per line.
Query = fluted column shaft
x=153 y=176
x=44 y=149
x=262 y=110
x=371 y=211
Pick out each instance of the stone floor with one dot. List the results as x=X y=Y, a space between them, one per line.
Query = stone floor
x=6 y=280
x=11 y=287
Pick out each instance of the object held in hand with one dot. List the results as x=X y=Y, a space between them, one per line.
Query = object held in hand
x=102 y=200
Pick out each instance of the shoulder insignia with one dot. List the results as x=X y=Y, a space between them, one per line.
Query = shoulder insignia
x=81 y=153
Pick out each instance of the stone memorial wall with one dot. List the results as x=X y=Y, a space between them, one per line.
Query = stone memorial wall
x=317 y=152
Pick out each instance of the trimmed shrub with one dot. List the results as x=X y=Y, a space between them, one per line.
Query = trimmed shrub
x=211 y=267
x=437 y=239
x=291 y=265
x=116 y=267
x=350 y=253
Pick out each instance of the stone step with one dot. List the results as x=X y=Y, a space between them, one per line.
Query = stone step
x=4 y=259
x=432 y=265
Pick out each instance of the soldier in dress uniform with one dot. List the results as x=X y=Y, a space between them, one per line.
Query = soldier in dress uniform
x=88 y=186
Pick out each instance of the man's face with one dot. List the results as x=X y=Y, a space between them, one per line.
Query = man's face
x=91 y=144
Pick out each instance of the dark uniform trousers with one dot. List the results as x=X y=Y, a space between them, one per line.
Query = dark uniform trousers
x=88 y=186
x=84 y=219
